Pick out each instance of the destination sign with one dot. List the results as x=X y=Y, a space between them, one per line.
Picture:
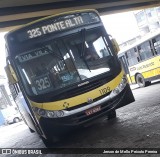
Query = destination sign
x=57 y=24
x=32 y=55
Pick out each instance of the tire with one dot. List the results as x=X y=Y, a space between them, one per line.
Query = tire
x=112 y=114
x=148 y=83
x=49 y=141
x=16 y=120
x=31 y=130
x=141 y=81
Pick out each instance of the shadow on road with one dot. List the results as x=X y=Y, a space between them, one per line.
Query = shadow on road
x=85 y=135
x=135 y=86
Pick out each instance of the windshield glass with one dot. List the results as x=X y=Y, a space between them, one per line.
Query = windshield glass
x=65 y=61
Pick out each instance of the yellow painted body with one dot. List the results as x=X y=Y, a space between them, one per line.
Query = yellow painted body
x=80 y=99
x=129 y=78
x=148 y=68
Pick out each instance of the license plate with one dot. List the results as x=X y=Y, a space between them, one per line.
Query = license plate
x=93 y=110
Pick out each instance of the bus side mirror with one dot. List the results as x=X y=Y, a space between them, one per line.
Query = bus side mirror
x=115 y=45
x=11 y=74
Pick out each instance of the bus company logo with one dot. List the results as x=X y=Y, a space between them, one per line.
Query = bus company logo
x=6 y=151
x=133 y=68
x=89 y=100
x=146 y=66
x=65 y=104
x=84 y=83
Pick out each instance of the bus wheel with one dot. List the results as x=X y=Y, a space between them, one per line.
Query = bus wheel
x=140 y=81
x=112 y=114
x=31 y=130
x=49 y=141
x=148 y=83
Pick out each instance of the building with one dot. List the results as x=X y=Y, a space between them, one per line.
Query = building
x=4 y=98
x=4 y=103
x=148 y=20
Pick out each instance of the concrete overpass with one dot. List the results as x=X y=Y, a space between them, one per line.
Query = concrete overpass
x=18 y=12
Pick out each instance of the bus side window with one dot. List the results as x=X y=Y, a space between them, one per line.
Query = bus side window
x=137 y=57
x=132 y=56
x=145 y=51
x=156 y=44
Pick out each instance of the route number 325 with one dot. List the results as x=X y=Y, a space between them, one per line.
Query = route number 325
x=43 y=83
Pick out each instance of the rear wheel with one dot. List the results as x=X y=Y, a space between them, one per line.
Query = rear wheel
x=148 y=83
x=112 y=114
x=31 y=130
x=49 y=141
x=141 y=81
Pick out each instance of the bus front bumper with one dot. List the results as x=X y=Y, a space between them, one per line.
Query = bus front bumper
x=58 y=126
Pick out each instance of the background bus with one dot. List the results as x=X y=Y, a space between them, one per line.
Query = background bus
x=141 y=61
x=68 y=72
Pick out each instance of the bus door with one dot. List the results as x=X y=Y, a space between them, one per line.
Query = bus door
x=125 y=67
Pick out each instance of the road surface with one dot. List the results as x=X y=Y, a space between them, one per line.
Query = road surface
x=137 y=126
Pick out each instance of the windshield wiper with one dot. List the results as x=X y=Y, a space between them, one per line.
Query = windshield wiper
x=83 y=33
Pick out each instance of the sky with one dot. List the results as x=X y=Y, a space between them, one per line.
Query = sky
x=121 y=26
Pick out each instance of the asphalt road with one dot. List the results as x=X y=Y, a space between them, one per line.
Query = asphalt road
x=137 y=126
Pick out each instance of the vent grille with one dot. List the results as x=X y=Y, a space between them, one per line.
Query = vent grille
x=83 y=89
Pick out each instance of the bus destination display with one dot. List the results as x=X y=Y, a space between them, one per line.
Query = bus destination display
x=57 y=25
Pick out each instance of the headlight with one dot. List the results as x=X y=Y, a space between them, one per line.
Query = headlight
x=124 y=80
x=120 y=87
x=47 y=113
x=116 y=91
x=59 y=113
x=50 y=114
x=41 y=112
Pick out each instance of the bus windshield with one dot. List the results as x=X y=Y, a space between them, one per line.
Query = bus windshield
x=64 y=61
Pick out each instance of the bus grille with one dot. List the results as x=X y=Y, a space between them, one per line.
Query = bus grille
x=105 y=107
x=81 y=118
x=83 y=89
x=85 y=104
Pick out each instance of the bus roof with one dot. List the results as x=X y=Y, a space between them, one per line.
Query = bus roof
x=143 y=39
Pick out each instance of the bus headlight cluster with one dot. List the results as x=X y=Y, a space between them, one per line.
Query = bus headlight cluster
x=47 y=113
x=120 y=87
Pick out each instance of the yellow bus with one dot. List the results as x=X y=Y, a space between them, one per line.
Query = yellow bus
x=141 y=61
x=65 y=73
